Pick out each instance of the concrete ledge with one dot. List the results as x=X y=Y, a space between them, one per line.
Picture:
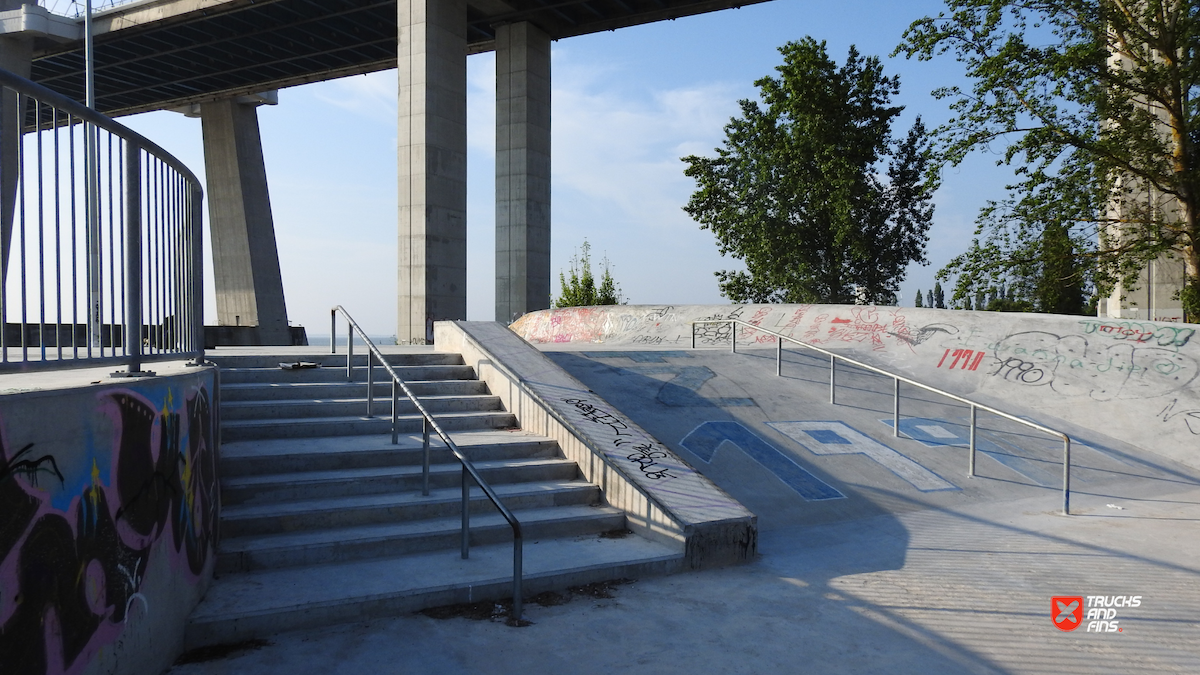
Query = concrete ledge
x=663 y=497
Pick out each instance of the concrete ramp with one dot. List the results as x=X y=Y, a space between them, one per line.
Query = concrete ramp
x=1125 y=382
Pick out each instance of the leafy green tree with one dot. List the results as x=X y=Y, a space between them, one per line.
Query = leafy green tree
x=919 y=303
x=796 y=190
x=1095 y=103
x=580 y=290
x=939 y=296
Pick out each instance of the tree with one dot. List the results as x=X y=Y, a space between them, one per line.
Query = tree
x=796 y=190
x=939 y=296
x=580 y=289
x=919 y=303
x=1096 y=101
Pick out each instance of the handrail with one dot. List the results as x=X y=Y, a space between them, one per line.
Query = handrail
x=468 y=468
x=139 y=241
x=834 y=357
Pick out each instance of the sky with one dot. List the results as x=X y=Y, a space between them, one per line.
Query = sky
x=626 y=106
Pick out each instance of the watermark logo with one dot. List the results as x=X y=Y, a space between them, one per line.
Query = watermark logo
x=1067 y=611
x=1097 y=612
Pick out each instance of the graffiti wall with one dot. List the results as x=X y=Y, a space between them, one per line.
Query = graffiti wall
x=1137 y=381
x=108 y=514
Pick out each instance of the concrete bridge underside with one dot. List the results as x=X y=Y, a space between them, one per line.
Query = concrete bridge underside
x=166 y=54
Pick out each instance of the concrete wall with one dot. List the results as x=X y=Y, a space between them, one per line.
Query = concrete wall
x=1136 y=381
x=108 y=516
x=664 y=499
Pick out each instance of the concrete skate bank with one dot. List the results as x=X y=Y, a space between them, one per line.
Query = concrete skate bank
x=1136 y=381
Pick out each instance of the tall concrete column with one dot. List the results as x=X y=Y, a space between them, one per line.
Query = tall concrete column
x=522 y=170
x=15 y=55
x=245 y=258
x=432 y=166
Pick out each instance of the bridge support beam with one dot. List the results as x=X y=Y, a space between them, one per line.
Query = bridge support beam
x=245 y=257
x=432 y=166
x=522 y=170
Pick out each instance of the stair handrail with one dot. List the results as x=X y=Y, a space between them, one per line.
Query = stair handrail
x=897 y=379
x=468 y=468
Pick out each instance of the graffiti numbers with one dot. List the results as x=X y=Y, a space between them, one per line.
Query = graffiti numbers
x=969 y=358
x=1016 y=370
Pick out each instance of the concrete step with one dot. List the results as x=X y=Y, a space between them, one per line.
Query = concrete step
x=318 y=547
x=325 y=390
x=327 y=360
x=275 y=488
x=349 y=407
x=244 y=458
x=239 y=430
x=292 y=516
x=279 y=375
x=256 y=604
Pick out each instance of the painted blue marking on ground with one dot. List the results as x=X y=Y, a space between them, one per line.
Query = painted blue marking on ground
x=826 y=436
x=839 y=438
x=640 y=357
x=704 y=440
x=1043 y=468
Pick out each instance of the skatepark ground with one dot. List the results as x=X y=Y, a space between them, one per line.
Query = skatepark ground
x=877 y=554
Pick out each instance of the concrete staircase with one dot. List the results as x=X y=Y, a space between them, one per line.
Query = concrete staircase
x=323 y=520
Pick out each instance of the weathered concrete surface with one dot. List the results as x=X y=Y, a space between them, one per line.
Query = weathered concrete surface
x=522 y=170
x=1132 y=381
x=245 y=257
x=664 y=498
x=431 y=166
x=109 y=503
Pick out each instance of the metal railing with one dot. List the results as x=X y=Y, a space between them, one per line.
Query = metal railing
x=897 y=379
x=469 y=472
x=101 y=239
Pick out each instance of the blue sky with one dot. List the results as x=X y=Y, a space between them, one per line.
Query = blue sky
x=626 y=106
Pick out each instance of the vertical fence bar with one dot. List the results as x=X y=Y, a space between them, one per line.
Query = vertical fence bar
x=971 y=456
x=466 y=513
x=57 y=239
x=196 y=204
x=896 y=408
x=133 y=256
x=1066 y=475
x=41 y=230
x=370 y=383
x=832 y=380
x=395 y=412
x=425 y=457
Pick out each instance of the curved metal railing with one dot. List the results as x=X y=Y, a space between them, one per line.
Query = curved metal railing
x=101 y=239
x=897 y=379
x=469 y=472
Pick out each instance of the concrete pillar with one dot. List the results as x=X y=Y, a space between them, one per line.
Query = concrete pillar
x=15 y=53
x=522 y=170
x=432 y=166
x=245 y=258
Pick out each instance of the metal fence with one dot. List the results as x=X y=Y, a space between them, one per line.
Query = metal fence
x=101 y=240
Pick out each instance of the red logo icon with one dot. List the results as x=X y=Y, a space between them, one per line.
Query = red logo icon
x=1067 y=611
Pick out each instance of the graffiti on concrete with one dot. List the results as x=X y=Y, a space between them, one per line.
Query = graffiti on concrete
x=1190 y=418
x=1072 y=366
x=969 y=358
x=74 y=550
x=645 y=451
x=1140 y=332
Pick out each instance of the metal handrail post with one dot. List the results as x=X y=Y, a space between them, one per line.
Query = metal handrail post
x=778 y=357
x=425 y=455
x=370 y=383
x=133 y=256
x=349 y=354
x=693 y=336
x=1066 y=475
x=733 y=337
x=971 y=457
x=832 y=380
x=395 y=413
x=518 y=573
x=333 y=331
x=896 y=409
x=466 y=514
